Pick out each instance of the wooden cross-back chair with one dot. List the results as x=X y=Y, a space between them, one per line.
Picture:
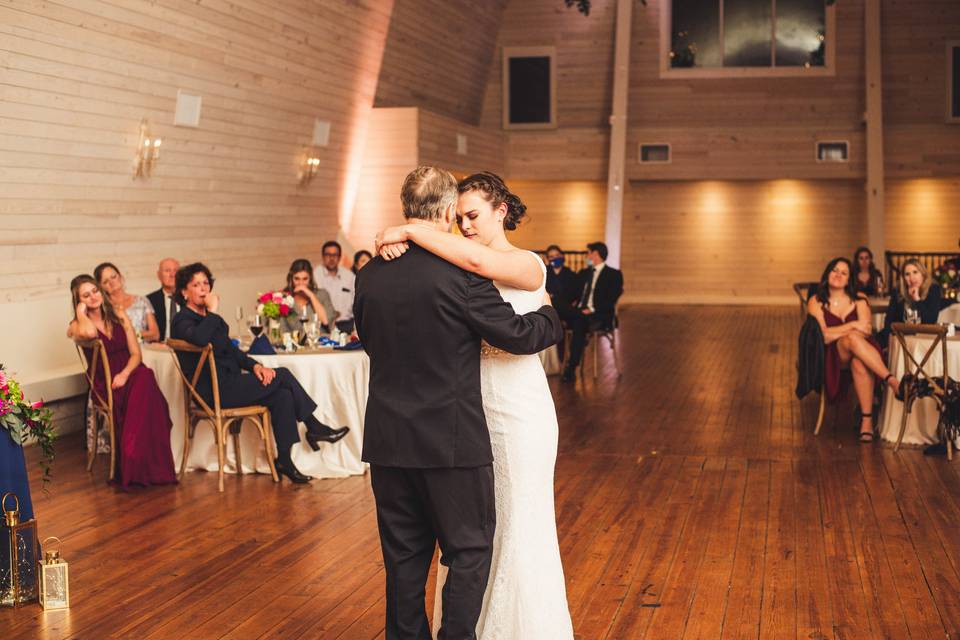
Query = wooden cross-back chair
x=220 y=419
x=102 y=404
x=801 y=289
x=913 y=389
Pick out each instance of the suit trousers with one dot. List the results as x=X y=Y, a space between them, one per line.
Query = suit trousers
x=287 y=401
x=580 y=325
x=416 y=509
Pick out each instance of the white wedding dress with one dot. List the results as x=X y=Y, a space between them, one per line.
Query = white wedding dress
x=526 y=596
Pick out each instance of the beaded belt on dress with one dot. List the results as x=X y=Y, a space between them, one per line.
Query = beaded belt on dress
x=488 y=351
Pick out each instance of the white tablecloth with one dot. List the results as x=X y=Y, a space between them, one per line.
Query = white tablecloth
x=950 y=314
x=336 y=380
x=922 y=424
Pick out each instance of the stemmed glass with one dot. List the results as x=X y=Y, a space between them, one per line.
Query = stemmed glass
x=256 y=326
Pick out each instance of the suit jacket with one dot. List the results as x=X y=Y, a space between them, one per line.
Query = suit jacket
x=203 y=330
x=160 y=311
x=421 y=320
x=606 y=292
x=810 y=358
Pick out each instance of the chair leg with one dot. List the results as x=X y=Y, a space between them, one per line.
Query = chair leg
x=907 y=406
x=823 y=410
x=612 y=338
x=189 y=427
x=113 y=446
x=267 y=437
x=221 y=450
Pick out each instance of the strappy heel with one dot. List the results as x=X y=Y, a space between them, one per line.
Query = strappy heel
x=866 y=437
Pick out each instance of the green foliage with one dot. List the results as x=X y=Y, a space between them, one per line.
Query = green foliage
x=23 y=420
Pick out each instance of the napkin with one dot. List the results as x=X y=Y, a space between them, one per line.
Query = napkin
x=261 y=347
x=350 y=346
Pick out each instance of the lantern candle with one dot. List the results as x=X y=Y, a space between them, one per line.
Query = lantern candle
x=18 y=556
x=54 y=578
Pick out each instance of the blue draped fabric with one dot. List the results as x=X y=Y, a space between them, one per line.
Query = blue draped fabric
x=13 y=474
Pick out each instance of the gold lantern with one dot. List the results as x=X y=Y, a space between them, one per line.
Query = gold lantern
x=18 y=556
x=54 y=578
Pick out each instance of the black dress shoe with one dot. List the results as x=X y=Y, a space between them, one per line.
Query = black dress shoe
x=330 y=435
x=290 y=470
x=939 y=449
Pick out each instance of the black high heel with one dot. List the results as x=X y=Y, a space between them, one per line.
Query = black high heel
x=290 y=470
x=905 y=382
x=866 y=437
x=331 y=436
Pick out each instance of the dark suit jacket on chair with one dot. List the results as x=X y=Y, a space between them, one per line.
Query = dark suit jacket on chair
x=421 y=320
x=160 y=311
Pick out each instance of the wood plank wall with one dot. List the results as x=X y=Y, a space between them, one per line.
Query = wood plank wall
x=438 y=56
x=566 y=213
x=735 y=241
x=77 y=79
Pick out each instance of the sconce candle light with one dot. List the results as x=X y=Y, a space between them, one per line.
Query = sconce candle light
x=148 y=152
x=308 y=167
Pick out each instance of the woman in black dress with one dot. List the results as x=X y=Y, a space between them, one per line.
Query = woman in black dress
x=918 y=298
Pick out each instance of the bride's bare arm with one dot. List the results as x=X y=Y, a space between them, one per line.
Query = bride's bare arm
x=519 y=269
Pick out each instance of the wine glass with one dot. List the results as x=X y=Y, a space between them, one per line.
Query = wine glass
x=256 y=326
x=313 y=334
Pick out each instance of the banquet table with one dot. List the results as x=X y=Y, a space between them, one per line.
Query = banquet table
x=922 y=423
x=336 y=380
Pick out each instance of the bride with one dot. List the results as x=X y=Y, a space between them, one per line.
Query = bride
x=525 y=597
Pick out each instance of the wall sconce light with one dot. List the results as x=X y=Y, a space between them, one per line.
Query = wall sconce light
x=308 y=166
x=148 y=152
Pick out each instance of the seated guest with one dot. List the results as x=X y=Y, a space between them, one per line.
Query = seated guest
x=162 y=300
x=918 y=298
x=140 y=413
x=360 y=258
x=600 y=288
x=307 y=297
x=338 y=283
x=850 y=346
x=243 y=381
x=562 y=282
x=867 y=278
x=137 y=308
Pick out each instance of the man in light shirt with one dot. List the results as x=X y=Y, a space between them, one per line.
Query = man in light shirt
x=338 y=282
x=600 y=289
x=164 y=304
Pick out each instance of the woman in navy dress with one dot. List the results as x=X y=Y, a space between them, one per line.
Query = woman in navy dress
x=140 y=413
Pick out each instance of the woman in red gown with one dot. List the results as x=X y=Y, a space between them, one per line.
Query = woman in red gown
x=851 y=351
x=140 y=413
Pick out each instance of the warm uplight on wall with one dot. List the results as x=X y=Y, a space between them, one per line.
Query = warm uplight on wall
x=308 y=167
x=148 y=152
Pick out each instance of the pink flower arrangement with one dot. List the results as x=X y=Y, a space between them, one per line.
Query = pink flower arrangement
x=275 y=304
x=23 y=420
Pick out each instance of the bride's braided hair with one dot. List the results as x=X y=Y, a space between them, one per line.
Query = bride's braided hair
x=496 y=193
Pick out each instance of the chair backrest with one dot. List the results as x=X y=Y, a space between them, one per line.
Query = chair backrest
x=190 y=384
x=901 y=330
x=98 y=362
x=802 y=289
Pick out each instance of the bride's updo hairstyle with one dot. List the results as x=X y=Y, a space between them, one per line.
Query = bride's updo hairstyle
x=496 y=193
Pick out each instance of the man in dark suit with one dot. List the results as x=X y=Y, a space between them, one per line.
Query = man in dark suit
x=164 y=299
x=421 y=320
x=601 y=287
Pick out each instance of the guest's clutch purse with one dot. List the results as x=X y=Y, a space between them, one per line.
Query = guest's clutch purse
x=261 y=347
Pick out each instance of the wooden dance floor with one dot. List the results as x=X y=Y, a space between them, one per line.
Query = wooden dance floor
x=693 y=502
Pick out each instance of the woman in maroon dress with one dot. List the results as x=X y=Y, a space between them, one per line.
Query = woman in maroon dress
x=140 y=413
x=851 y=350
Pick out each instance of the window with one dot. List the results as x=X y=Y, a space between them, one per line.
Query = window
x=654 y=152
x=833 y=151
x=731 y=38
x=953 y=81
x=529 y=88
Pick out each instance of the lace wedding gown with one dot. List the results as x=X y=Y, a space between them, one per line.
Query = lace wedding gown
x=526 y=596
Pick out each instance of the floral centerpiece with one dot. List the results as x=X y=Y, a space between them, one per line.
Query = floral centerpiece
x=947 y=275
x=275 y=305
x=22 y=419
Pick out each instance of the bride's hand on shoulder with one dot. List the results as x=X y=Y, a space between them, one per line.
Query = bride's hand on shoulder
x=393 y=250
x=392 y=235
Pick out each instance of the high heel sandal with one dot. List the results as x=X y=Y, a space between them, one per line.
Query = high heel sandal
x=866 y=437
x=905 y=382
